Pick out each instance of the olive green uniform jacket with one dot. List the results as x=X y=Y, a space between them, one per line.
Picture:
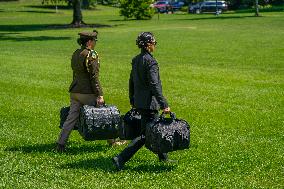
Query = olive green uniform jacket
x=85 y=65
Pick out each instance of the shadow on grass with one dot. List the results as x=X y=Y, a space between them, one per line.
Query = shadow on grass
x=60 y=7
x=42 y=27
x=73 y=150
x=199 y=17
x=36 y=38
x=157 y=168
x=100 y=163
x=105 y=164
x=218 y=17
x=34 y=11
x=44 y=148
x=40 y=148
x=50 y=7
x=272 y=9
x=9 y=33
x=125 y=20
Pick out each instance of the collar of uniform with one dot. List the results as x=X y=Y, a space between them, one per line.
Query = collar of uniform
x=84 y=47
x=144 y=51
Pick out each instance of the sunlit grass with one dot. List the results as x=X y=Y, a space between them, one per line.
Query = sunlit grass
x=223 y=75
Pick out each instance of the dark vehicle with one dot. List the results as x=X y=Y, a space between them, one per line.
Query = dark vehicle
x=162 y=6
x=177 y=5
x=208 y=6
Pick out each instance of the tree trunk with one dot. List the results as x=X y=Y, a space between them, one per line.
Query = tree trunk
x=77 y=14
x=256 y=8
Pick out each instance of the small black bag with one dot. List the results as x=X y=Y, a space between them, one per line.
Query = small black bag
x=130 y=126
x=64 y=111
x=167 y=135
x=99 y=123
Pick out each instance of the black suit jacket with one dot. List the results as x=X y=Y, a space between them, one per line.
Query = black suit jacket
x=145 y=88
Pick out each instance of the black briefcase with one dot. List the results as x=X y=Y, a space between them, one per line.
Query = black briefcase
x=99 y=123
x=167 y=135
x=64 y=111
x=130 y=126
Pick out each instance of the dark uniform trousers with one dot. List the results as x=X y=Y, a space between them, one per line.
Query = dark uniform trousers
x=147 y=117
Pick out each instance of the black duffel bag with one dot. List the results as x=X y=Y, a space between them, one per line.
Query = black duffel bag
x=64 y=111
x=130 y=126
x=99 y=123
x=167 y=134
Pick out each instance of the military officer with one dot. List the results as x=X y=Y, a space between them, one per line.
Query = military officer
x=85 y=88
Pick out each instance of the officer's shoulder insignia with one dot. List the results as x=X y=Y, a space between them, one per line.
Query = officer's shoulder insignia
x=94 y=54
x=84 y=52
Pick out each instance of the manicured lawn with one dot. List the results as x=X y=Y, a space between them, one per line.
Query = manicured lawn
x=224 y=75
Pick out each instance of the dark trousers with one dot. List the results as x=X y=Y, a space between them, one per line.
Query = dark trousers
x=147 y=117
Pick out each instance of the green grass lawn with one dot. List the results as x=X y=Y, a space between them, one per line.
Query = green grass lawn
x=224 y=75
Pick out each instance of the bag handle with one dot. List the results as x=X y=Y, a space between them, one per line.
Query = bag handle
x=172 y=115
x=101 y=106
x=134 y=110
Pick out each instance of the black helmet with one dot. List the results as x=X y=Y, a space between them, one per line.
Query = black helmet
x=144 y=38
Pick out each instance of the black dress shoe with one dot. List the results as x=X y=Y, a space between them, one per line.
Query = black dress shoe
x=118 y=165
x=60 y=148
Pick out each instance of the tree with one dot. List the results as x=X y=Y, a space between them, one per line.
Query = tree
x=256 y=8
x=139 y=9
x=77 y=14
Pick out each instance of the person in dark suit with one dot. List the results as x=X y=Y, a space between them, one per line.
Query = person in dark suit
x=85 y=88
x=145 y=94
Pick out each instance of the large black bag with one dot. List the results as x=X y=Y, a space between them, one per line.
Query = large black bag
x=167 y=135
x=99 y=123
x=130 y=126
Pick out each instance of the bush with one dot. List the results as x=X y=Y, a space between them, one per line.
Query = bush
x=88 y=4
x=184 y=9
x=139 y=9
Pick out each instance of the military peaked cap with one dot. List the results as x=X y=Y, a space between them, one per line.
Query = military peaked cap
x=85 y=34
